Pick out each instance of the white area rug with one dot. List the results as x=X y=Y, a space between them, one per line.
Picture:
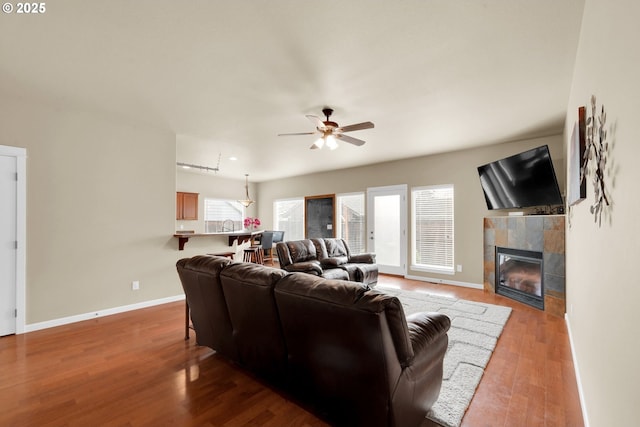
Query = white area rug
x=475 y=328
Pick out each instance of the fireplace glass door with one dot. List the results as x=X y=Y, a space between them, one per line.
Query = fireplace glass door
x=519 y=275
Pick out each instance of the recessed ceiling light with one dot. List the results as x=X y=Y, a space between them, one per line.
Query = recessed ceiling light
x=233 y=158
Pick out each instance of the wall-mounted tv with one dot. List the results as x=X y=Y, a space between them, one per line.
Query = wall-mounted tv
x=521 y=181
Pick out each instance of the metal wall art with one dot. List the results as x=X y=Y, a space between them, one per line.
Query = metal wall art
x=597 y=149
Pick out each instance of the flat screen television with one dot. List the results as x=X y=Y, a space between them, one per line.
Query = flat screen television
x=521 y=181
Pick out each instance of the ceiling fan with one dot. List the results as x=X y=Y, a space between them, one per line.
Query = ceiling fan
x=330 y=131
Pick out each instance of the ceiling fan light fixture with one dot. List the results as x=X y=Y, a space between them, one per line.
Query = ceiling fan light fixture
x=246 y=202
x=331 y=142
x=330 y=131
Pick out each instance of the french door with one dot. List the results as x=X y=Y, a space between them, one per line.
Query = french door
x=387 y=227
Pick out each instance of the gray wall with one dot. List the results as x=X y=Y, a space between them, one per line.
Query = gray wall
x=458 y=168
x=100 y=208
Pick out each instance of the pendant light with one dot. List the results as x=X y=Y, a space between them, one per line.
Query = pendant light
x=247 y=201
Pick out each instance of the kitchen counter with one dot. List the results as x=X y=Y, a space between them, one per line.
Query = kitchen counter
x=240 y=236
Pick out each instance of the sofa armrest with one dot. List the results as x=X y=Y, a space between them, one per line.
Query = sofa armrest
x=425 y=329
x=368 y=258
x=333 y=262
x=421 y=379
x=311 y=267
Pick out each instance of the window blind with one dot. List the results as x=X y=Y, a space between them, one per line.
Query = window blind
x=432 y=212
x=351 y=224
x=289 y=217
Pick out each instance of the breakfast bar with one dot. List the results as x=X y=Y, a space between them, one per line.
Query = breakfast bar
x=240 y=236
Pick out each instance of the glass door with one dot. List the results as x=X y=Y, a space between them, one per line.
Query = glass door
x=387 y=227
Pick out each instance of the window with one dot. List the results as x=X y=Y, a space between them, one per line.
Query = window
x=222 y=215
x=289 y=217
x=432 y=231
x=351 y=221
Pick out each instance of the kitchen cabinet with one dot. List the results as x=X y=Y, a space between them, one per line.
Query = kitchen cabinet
x=186 y=206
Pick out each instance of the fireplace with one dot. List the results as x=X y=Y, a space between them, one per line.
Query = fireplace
x=519 y=275
x=541 y=233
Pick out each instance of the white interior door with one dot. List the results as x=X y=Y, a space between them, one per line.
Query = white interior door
x=387 y=227
x=8 y=239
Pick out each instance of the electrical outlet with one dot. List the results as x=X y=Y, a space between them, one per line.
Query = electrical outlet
x=135 y=285
x=459 y=268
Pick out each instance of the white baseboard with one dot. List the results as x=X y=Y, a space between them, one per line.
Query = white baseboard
x=577 y=373
x=101 y=313
x=445 y=282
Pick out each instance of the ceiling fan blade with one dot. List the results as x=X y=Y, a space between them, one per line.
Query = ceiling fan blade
x=316 y=121
x=357 y=126
x=298 y=133
x=350 y=140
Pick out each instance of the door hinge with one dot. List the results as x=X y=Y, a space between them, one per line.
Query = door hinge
x=15 y=244
x=15 y=313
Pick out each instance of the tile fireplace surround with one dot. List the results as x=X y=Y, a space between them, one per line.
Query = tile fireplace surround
x=541 y=233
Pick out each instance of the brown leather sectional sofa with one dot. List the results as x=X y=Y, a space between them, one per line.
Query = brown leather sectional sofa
x=329 y=258
x=343 y=350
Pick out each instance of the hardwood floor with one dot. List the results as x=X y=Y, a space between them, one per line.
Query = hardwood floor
x=530 y=379
x=135 y=369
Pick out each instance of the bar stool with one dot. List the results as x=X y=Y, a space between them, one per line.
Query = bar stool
x=254 y=254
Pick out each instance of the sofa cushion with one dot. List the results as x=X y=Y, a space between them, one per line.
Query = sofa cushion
x=338 y=333
x=352 y=296
x=335 y=274
x=248 y=290
x=301 y=250
x=331 y=248
x=312 y=267
x=200 y=278
x=336 y=248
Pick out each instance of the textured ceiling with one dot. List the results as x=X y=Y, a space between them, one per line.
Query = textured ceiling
x=228 y=76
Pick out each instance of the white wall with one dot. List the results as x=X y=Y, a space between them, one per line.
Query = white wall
x=100 y=209
x=602 y=274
